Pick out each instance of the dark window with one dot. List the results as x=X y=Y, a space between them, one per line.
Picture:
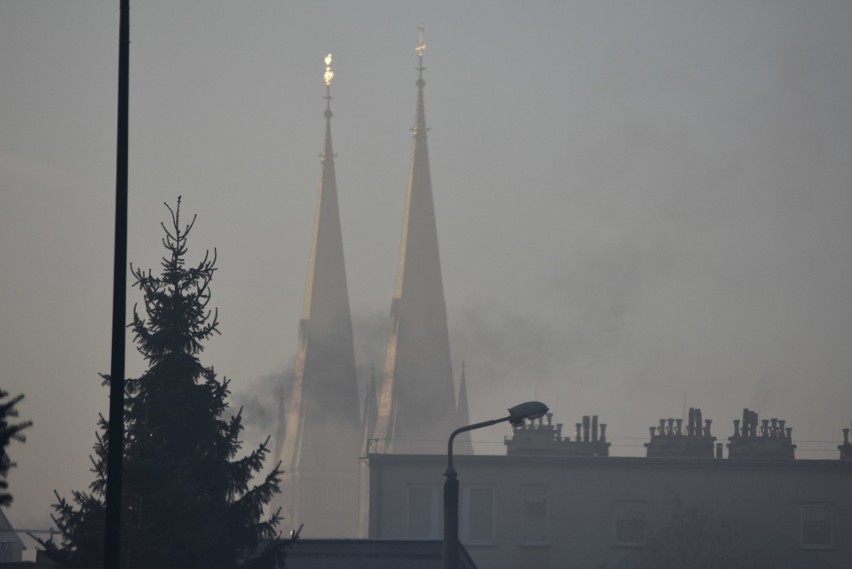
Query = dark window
x=816 y=525
x=629 y=523
x=422 y=512
x=534 y=527
x=480 y=515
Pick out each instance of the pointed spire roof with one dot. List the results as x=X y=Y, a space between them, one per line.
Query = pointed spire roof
x=463 y=444
x=322 y=434
x=368 y=422
x=417 y=402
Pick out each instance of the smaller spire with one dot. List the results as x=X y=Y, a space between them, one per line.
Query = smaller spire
x=464 y=444
x=368 y=424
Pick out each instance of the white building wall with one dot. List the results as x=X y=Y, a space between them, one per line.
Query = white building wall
x=583 y=493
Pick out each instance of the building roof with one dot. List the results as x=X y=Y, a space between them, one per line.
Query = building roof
x=8 y=533
x=370 y=554
x=614 y=462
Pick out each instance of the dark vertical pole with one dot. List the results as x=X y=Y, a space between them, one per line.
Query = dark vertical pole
x=451 y=519
x=451 y=496
x=115 y=435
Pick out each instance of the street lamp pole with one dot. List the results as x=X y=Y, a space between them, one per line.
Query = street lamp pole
x=517 y=415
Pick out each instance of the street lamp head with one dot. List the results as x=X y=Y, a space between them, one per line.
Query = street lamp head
x=529 y=410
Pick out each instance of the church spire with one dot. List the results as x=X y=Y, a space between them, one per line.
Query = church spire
x=417 y=402
x=321 y=440
x=463 y=444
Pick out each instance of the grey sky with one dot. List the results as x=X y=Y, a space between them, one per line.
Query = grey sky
x=636 y=201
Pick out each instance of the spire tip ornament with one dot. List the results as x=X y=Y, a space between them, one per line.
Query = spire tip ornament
x=329 y=74
x=421 y=46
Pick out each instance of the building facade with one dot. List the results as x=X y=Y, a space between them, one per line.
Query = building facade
x=575 y=509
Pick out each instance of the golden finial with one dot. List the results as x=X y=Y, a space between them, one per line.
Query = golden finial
x=421 y=47
x=329 y=74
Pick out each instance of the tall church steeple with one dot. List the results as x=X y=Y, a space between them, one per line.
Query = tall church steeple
x=322 y=437
x=417 y=405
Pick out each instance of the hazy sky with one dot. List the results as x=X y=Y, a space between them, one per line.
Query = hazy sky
x=637 y=202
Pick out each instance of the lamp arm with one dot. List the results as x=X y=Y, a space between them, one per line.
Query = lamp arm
x=460 y=430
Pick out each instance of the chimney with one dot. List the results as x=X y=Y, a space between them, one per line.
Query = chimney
x=586 y=426
x=603 y=432
x=718 y=450
x=594 y=427
x=707 y=424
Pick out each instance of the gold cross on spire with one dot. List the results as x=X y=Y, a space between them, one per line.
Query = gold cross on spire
x=329 y=74
x=421 y=46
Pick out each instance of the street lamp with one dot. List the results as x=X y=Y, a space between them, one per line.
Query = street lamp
x=517 y=415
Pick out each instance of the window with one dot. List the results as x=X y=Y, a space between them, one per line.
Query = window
x=628 y=523
x=816 y=525
x=477 y=515
x=534 y=513
x=424 y=517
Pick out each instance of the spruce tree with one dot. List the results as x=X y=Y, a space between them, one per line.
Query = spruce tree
x=189 y=497
x=9 y=431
